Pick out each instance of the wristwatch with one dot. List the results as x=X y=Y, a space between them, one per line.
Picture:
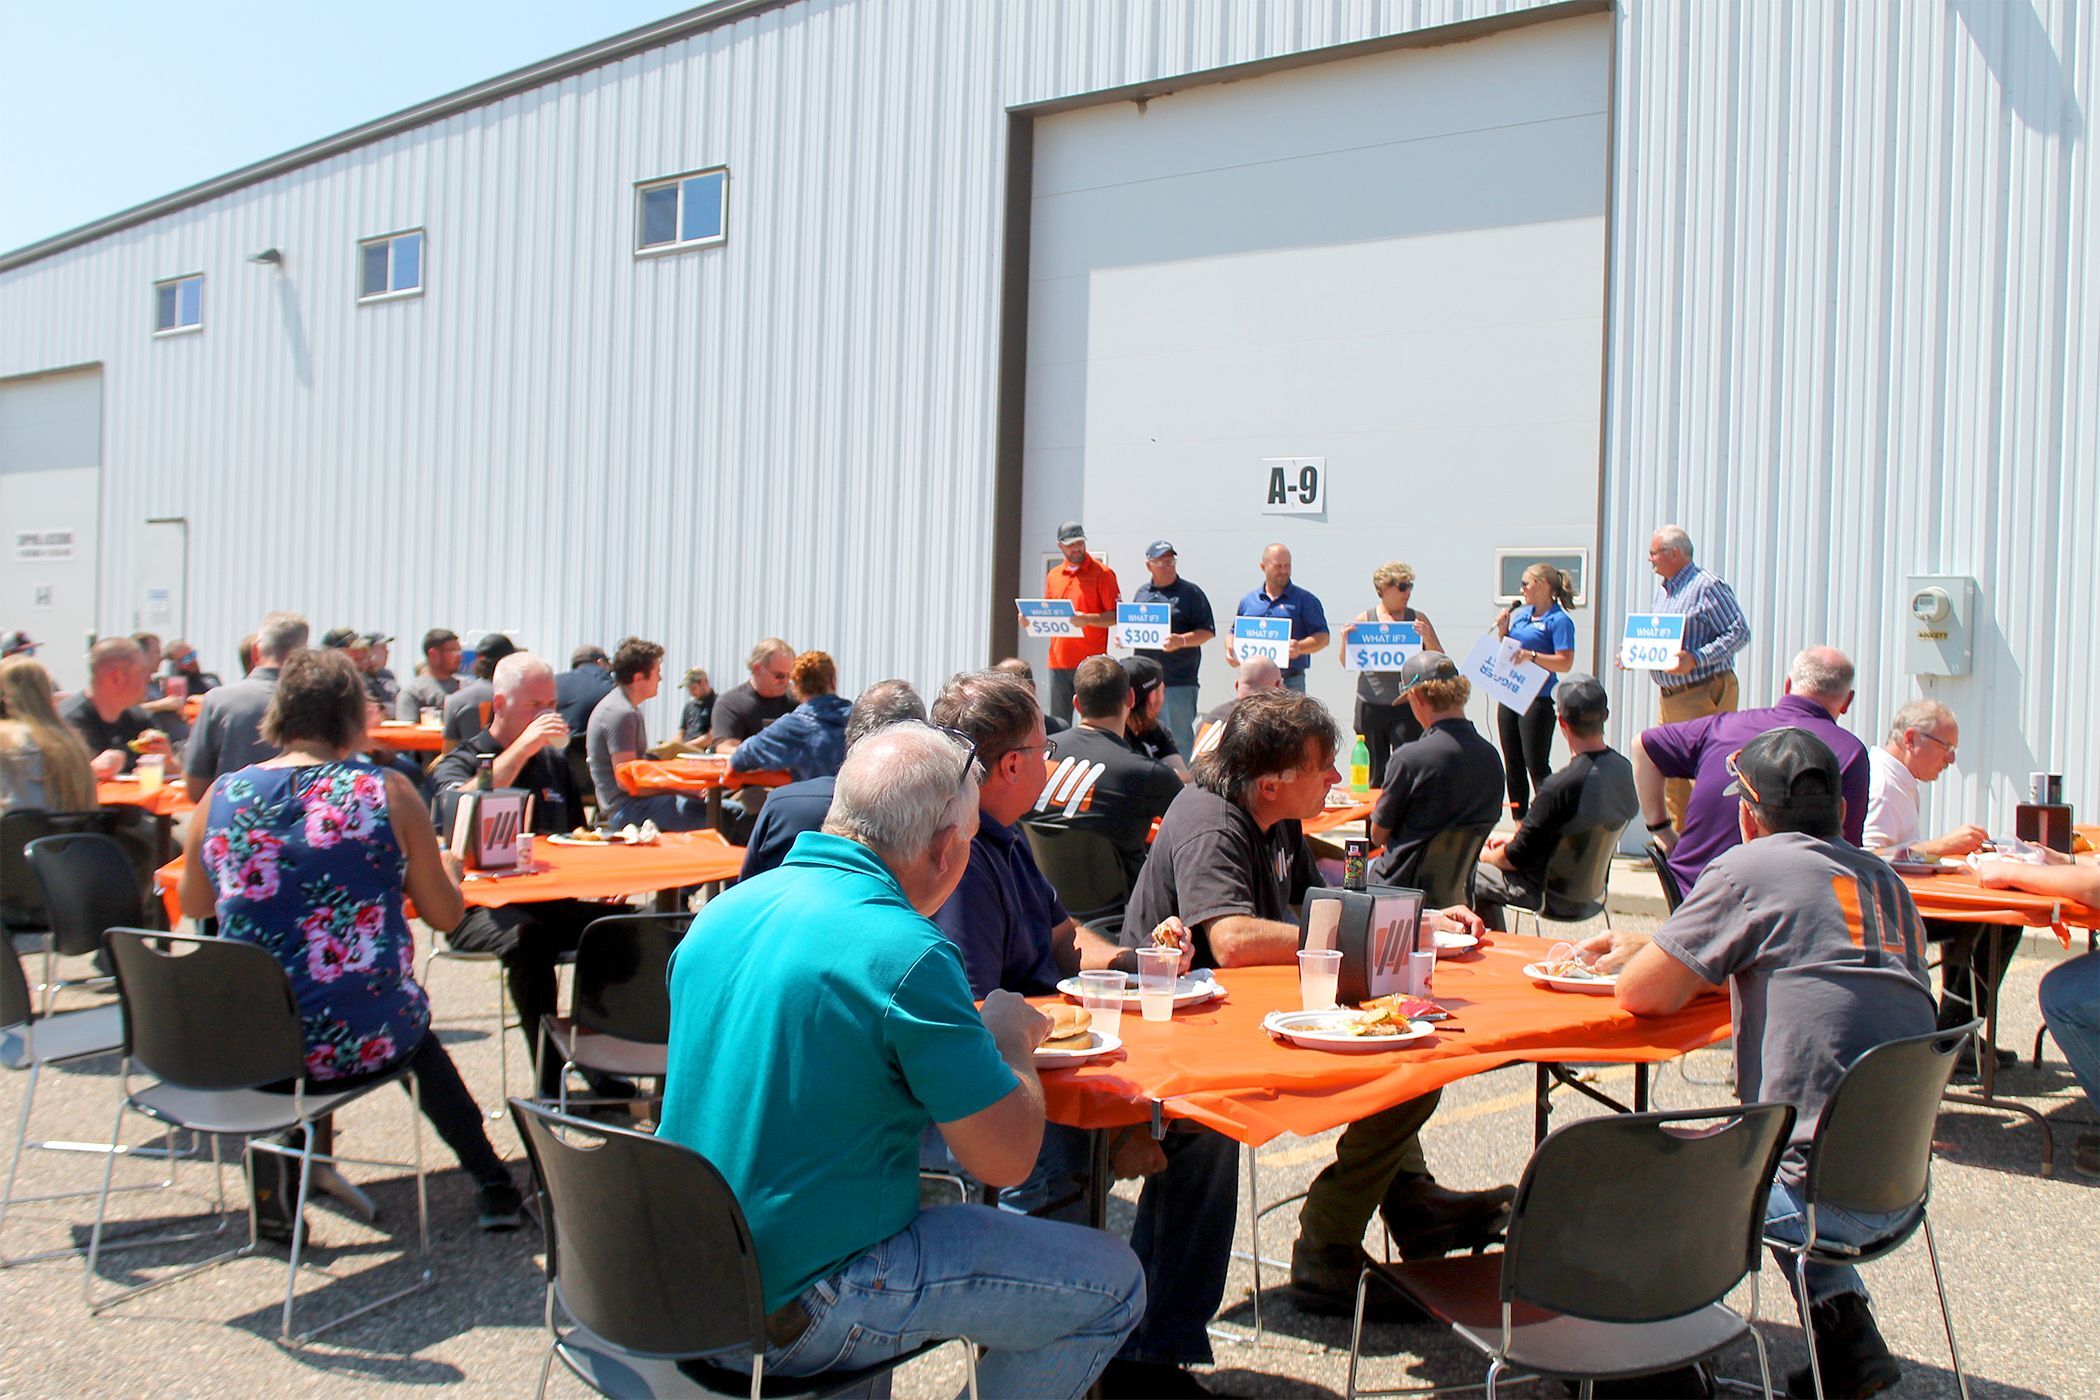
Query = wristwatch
x=1654 y=827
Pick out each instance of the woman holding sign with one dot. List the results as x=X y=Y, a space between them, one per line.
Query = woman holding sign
x=1545 y=635
x=1382 y=716
x=309 y=854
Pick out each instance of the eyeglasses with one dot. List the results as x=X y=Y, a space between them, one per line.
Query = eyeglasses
x=969 y=765
x=1749 y=788
x=1937 y=740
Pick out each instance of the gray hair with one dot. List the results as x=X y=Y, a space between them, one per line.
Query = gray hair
x=513 y=670
x=1928 y=715
x=281 y=634
x=882 y=704
x=1673 y=537
x=1824 y=672
x=900 y=788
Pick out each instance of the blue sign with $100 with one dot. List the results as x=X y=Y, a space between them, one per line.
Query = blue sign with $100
x=1379 y=646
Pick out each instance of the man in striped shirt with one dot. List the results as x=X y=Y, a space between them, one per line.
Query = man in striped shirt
x=1702 y=682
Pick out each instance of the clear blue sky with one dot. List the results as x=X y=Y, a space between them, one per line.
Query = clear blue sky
x=107 y=103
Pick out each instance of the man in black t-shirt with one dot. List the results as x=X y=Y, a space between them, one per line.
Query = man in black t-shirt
x=1099 y=784
x=1189 y=625
x=1449 y=777
x=107 y=715
x=745 y=709
x=1594 y=791
x=527 y=738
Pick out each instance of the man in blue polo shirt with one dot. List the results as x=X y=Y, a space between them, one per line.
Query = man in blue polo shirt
x=819 y=1024
x=1279 y=597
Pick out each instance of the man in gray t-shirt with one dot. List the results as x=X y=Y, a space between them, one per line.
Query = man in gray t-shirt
x=1824 y=953
x=617 y=734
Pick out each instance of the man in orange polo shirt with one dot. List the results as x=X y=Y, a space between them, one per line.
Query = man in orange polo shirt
x=1091 y=587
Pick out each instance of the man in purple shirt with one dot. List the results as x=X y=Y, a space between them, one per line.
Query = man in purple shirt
x=1818 y=690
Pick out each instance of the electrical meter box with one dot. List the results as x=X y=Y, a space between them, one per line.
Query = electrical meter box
x=1939 y=624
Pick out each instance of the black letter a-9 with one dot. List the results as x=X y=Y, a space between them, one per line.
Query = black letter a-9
x=1279 y=493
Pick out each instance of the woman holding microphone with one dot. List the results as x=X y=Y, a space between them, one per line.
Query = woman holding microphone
x=1382 y=717
x=1545 y=634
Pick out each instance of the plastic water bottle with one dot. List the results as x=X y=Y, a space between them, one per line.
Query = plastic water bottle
x=1360 y=766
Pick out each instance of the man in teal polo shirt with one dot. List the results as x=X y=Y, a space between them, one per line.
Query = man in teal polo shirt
x=819 y=1022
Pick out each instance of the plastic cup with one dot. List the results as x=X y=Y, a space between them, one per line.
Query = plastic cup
x=524 y=848
x=430 y=717
x=1319 y=972
x=1101 y=993
x=1157 y=970
x=151 y=770
x=1422 y=973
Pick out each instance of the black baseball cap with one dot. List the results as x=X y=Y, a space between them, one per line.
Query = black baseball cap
x=1159 y=549
x=1787 y=768
x=1579 y=697
x=1069 y=531
x=1426 y=665
x=339 y=638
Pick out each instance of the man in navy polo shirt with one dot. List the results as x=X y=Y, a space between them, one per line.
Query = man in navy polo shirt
x=1818 y=690
x=1189 y=625
x=1279 y=597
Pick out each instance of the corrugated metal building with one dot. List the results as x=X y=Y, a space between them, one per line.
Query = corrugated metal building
x=1842 y=322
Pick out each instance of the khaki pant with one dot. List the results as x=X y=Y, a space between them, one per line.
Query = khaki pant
x=1714 y=696
x=1366 y=1158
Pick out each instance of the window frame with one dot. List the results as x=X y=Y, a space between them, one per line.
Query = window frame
x=388 y=240
x=179 y=328
x=681 y=244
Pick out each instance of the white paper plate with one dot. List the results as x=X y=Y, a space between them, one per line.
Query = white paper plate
x=1450 y=945
x=572 y=841
x=1588 y=986
x=1328 y=1030
x=1187 y=990
x=1099 y=1043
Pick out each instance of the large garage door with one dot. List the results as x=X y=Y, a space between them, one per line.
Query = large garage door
x=1392 y=263
x=50 y=490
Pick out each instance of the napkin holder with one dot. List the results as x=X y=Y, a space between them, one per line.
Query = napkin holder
x=2045 y=824
x=1376 y=930
x=485 y=827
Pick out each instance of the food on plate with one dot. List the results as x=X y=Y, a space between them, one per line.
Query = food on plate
x=1571 y=968
x=584 y=833
x=1381 y=1016
x=1170 y=934
x=144 y=742
x=1071 y=1027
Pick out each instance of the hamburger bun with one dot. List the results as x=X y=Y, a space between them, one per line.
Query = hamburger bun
x=1070 y=1027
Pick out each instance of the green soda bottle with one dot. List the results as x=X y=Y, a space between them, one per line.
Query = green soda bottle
x=1360 y=766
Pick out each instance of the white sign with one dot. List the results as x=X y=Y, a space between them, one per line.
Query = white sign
x=1514 y=684
x=42 y=598
x=1379 y=646
x=1652 y=641
x=1293 y=485
x=1141 y=626
x=1047 y=617
x=1263 y=636
x=33 y=545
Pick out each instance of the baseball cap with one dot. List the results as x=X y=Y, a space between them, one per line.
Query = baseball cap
x=586 y=654
x=1426 y=665
x=697 y=673
x=337 y=638
x=1069 y=531
x=376 y=639
x=1159 y=549
x=1787 y=768
x=16 y=644
x=1580 y=697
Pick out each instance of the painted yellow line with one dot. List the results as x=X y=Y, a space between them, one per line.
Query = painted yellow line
x=1305 y=1152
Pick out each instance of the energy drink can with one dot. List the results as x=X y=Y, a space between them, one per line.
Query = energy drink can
x=1356 y=865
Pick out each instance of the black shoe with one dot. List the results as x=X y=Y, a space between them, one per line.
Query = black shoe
x=1427 y=1220
x=607 y=1086
x=1323 y=1284
x=1849 y=1348
x=1142 y=1380
x=499 y=1204
x=1693 y=1382
x=2085 y=1154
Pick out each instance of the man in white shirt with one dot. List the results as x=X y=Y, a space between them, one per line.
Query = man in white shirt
x=1921 y=743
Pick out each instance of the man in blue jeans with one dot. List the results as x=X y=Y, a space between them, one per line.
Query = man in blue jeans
x=1825 y=955
x=819 y=1023
x=2070 y=991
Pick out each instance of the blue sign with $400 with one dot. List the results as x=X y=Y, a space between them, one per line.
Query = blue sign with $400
x=1379 y=646
x=1651 y=641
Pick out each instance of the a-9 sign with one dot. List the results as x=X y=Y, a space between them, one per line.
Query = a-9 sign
x=1294 y=485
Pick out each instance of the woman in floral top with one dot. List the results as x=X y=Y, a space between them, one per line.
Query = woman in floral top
x=309 y=855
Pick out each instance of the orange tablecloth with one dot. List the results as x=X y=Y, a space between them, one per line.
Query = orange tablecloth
x=191 y=708
x=1957 y=895
x=647 y=775
x=406 y=737
x=172 y=799
x=573 y=872
x=1343 y=816
x=1216 y=1066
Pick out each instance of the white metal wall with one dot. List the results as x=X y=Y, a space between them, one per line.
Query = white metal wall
x=1851 y=335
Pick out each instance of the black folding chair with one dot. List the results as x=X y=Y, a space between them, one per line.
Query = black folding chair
x=1085 y=870
x=1578 y=877
x=214 y=1021
x=96 y=881
x=1664 y=876
x=1445 y=870
x=1872 y=1154
x=1626 y=1233
x=619 y=1019
x=650 y=1259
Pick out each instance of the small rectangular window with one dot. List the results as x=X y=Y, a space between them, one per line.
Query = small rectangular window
x=686 y=211
x=391 y=266
x=178 y=304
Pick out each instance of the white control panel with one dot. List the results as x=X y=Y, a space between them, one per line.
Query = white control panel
x=1939 y=624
